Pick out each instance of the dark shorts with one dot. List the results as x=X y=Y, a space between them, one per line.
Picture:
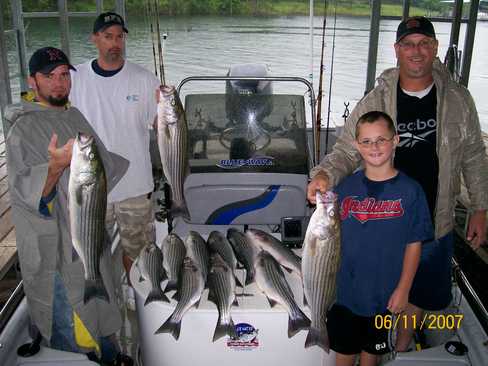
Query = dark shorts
x=431 y=288
x=350 y=334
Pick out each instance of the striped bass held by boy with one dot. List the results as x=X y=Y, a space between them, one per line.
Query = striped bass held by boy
x=320 y=263
x=172 y=143
x=87 y=203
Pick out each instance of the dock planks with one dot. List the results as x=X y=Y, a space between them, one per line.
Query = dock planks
x=8 y=250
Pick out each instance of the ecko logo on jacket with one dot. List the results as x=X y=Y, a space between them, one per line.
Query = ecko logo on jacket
x=370 y=209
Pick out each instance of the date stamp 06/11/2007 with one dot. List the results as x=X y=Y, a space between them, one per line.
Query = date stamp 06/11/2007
x=428 y=321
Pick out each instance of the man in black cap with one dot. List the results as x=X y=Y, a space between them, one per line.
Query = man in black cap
x=117 y=98
x=39 y=148
x=440 y=140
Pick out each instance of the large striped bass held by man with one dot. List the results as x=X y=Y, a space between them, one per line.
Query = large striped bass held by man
x=87 y=204
x=173 y=143
x=320 y=263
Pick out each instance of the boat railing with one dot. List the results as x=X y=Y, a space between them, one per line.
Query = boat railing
x=11 y=305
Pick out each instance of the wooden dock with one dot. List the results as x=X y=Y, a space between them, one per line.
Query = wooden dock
x=8 y=250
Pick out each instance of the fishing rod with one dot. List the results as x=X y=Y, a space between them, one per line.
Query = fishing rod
x=318 y=120
x=330 y=79
x=148 y=12
x=160 y=49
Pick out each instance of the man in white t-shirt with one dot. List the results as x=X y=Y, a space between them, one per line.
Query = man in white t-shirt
x=117 y=98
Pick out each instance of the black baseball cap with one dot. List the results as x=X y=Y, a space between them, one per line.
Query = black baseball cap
x=413 y=25
x=46 y=59
x=105 y=20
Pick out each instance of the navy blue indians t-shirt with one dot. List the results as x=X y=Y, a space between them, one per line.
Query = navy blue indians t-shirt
x=378 y=220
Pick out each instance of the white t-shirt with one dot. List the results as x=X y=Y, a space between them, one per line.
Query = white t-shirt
x=120 y=108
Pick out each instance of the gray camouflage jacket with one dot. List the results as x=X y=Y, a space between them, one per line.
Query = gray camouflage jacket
x=459 y=143
x=44 y=243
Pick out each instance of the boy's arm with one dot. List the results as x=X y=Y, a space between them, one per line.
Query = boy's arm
x=399 y=298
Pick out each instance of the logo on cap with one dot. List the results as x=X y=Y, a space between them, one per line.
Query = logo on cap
x=112 y=18
x=413 y=23
x=54 y=54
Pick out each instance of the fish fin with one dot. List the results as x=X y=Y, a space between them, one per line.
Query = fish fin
x=287 y=269
x=95 y=288
x=156 y=295
x=305 y=302
x=238 y=282
x=317 y=338
x=79 y=195
x=180 y=210
x=272 y=303
x=170 y=326
x=221 y=329
x=141 y=279
x=176 y=296
x=197 y=304
x=297 y=324
x=211 y=297
x=172 y=285
x=235 y=302
x=163 y=276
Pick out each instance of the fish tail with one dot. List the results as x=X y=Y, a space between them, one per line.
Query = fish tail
x=179 y=209
x=223 y=328
x=317 y=338
x=170 y=326
x=298 y=323
x=156 y=295
x=95 y=288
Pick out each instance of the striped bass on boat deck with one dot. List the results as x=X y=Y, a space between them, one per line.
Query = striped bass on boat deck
x=271 y=280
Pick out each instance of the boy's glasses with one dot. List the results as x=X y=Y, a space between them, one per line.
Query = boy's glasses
x=380 y=141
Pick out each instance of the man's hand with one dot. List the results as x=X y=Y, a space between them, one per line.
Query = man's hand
x=476 y=234
x=59 y=159
x=318 y=183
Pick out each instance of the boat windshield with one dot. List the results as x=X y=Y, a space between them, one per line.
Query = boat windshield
x=246 y=133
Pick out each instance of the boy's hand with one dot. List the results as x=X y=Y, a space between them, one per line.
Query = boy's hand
x=398 y=301
x=318 y=183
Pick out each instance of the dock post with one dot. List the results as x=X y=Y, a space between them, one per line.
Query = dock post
x=469 y=41
x=64 y=26
x=5 y=91
x=373 y=44
x=18 y=26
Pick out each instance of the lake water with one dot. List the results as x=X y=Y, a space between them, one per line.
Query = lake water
x=209 y=45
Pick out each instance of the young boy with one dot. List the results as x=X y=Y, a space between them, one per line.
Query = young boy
x=384 y=219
